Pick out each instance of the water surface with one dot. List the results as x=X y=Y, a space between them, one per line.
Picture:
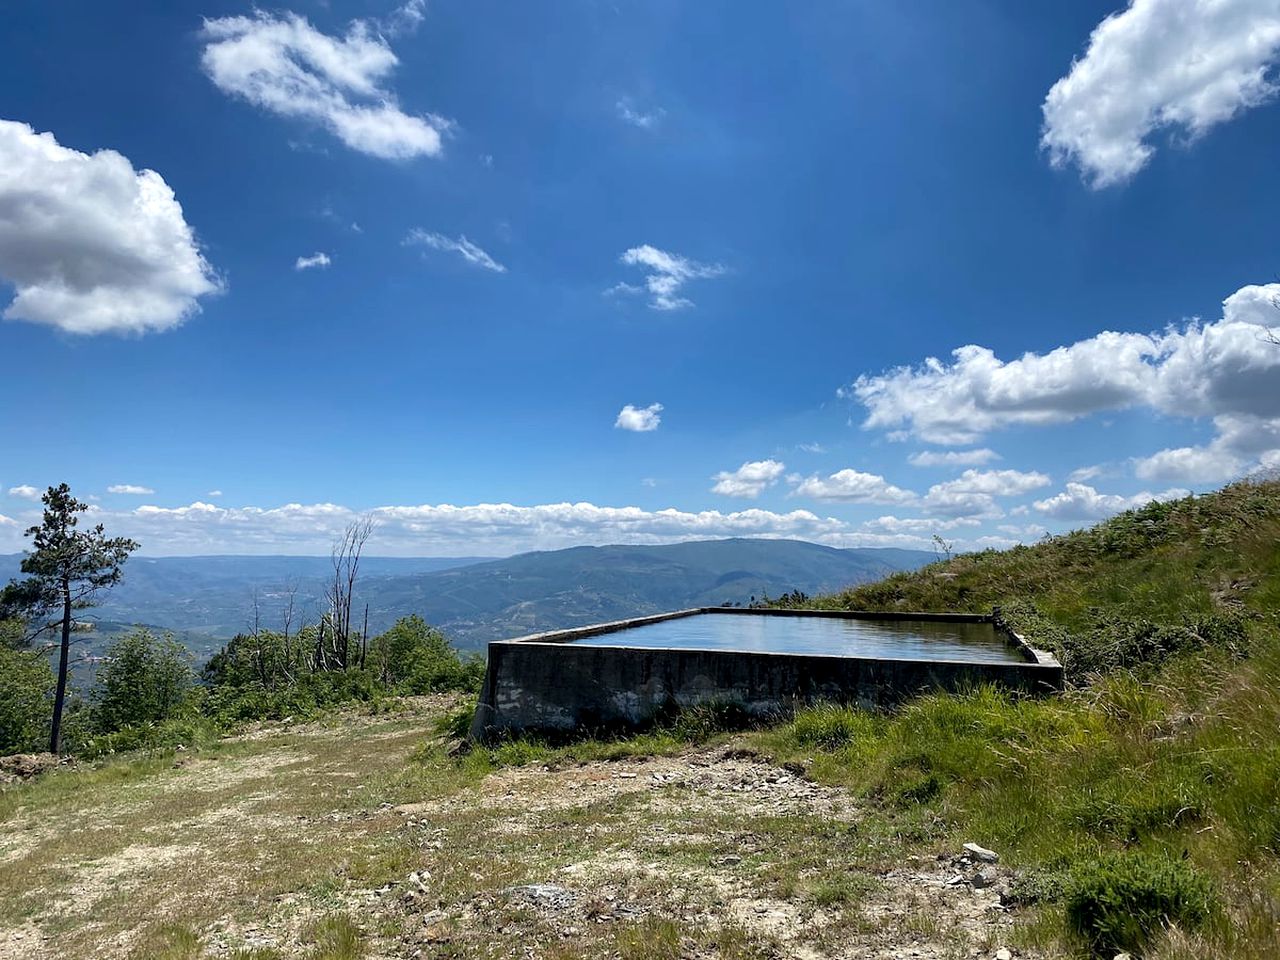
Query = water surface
x=831 y=636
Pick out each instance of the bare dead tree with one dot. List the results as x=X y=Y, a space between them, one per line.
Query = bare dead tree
x=259 y=657
x=290 y=592
x=364 y=637
x=341 y=590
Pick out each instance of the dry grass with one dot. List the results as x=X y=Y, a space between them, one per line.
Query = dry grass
x=361 y=839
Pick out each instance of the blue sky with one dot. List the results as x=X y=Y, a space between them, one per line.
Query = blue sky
x=764 y=218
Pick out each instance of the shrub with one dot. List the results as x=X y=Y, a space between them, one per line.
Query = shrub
x=146 y=679
x=415 y=658
x=26 y=689
x=1120 y=901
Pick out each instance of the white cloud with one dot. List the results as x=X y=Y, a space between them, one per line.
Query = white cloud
x=668 y=273
x=130 y=489
x=214 y=493
x=644 y=119
x=749 y=480
x=1185 y=65
x=1243 y=443
x=461 y=246
x=315 y=260
x=1086 y=473
x=7 y=521
x=953 y=458
x=286 y=66
x=24 y=491
x=443 y=530
x=90 y=244
x=995 y=483
x=811 y=447
x=405 y=19
x=974 y=492
x=851 y=486
x=649 y=482
x=639 y=419
x=1211 y=464
x=1227 y=370
x=1080 y=501
x=918 y=525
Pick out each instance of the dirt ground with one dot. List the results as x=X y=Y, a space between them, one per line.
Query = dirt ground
x=712 y=852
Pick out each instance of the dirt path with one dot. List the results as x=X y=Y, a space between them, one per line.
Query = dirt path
x=728 y=847
x=716 y=852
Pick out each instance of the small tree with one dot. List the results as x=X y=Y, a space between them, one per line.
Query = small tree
x=25 y=684
x=65 y=570
x=145 y=679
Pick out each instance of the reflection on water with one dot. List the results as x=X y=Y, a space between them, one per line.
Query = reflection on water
x=833 y=636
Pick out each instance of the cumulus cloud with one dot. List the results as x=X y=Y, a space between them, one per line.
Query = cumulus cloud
x=919 y=525
x=320 y=260
x=90 y=244
x=851 y=486
x=24 y=491
x=285 y=66
x=1228 y=371
x=461 y=246
x=1185 y=65
x=749 y=480
x=644 y=119
x=639 y=419
x=1080 y=501
x=974 y=492
x=953 y=458
x=130 y=489
x=668 y=273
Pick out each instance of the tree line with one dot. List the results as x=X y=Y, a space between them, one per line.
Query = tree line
x=147 y=691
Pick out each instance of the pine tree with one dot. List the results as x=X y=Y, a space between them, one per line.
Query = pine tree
x=65 y=570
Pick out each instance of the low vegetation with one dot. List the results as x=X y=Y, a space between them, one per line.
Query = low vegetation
x=1137 y=812
x=1144 y=805
x=145 y=693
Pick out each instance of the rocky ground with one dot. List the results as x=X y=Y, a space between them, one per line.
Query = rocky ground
x=714 y=852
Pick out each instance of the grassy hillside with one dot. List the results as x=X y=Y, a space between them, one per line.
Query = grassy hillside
x=1207 y=564
x=1142 y=808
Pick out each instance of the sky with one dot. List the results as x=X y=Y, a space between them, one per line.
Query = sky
x=514 y=276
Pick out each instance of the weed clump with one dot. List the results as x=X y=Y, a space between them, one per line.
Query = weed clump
x=1121 y=901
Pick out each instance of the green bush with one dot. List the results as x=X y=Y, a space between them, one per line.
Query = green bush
x=26 y=701
x=414 y=658
x=145 y=679
x=1120 y=901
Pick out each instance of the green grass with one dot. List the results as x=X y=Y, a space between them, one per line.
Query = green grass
x=1143 y=806
x=1204 y=566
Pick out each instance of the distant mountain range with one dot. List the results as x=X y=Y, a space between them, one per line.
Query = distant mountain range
x=474 y=600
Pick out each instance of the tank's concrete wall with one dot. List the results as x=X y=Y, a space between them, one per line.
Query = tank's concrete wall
x=546 y=685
